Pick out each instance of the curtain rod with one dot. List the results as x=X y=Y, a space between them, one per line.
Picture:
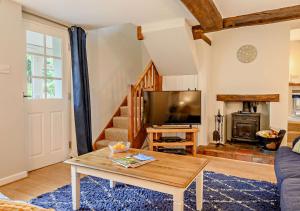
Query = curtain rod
x=46 y=19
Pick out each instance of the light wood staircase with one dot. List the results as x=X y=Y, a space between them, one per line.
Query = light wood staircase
x=126 y=123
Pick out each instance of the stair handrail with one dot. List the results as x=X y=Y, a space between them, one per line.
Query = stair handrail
x=149 y=81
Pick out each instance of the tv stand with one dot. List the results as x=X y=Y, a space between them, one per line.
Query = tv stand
x=172 y=126
x=190 y=142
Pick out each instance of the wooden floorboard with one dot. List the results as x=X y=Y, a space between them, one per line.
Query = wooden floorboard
x=52 y=177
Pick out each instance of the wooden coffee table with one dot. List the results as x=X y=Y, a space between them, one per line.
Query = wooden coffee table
x=171 y=174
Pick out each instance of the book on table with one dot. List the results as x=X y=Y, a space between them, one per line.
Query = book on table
x=133 y=161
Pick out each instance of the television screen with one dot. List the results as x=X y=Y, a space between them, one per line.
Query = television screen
x=172 y=108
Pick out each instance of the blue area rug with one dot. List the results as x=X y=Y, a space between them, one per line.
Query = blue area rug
x=221 y=192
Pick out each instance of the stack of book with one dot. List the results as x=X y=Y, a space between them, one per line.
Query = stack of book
x=134 y=161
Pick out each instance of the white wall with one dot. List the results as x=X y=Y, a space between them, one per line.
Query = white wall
x=116 y=59
x=268 y=74
x=219 y=71
x=199 y=82
x=12 y=53
x=294 y=61
x=170 y=45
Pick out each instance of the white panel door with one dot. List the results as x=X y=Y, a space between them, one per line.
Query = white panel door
x=46 y=95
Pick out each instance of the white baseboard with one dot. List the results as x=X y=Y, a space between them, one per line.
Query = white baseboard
x=12 y=178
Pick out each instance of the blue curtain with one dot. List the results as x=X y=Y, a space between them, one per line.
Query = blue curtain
x=81 y=91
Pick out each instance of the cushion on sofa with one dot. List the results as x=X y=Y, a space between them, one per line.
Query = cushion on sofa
x=296 y=140
x=290 y=194
x=287 y=164
x=296 y=146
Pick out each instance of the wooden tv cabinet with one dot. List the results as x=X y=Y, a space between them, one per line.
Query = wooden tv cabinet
x=191 y=133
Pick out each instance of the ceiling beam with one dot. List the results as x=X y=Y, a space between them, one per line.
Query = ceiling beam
x=259 y=18
x=200 y=35
x=197 y=35
x=206 y=12
x=265 y=17
x=139 y=33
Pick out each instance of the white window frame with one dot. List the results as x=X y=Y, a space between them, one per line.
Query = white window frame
x=55 y=32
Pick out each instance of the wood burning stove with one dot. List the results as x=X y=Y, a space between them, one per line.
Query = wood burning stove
x=244 y=126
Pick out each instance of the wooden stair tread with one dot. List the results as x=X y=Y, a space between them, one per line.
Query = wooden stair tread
x=121 y=117
x=116 y=134
x=100 y=144
x=116 y=129
x=120 y=122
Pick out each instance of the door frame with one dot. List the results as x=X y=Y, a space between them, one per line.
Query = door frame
x=53 y=30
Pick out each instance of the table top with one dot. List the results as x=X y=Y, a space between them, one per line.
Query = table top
x=169 y=169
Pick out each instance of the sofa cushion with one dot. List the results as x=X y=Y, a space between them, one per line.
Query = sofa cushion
x=296 y=147
x=296 y=141
x=287 y=164
x=290 y=195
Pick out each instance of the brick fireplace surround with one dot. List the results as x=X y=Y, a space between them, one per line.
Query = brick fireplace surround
x=241 y=150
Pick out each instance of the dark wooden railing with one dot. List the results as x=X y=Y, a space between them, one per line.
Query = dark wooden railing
x=149 y=81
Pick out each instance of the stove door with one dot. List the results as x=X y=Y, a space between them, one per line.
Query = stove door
x=244 y=130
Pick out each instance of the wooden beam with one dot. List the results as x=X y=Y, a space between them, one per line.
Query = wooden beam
x=294 y=84
x=139 y=33
x=265 y=17
x=249 y=98
x=259 y=18
x=198 y=34
x=206 y=12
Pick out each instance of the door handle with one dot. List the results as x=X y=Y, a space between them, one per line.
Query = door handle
x=26 y=95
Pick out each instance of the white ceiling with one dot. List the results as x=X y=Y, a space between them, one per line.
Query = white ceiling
x=229 y=8
x=109 y=12
x=95 y=13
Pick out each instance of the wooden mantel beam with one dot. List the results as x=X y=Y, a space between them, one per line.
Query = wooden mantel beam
x=206 y=12
x=249 y=98
x=259 y=18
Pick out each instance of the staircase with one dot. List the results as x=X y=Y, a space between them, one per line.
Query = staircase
x=126 y=123
x=118 y=131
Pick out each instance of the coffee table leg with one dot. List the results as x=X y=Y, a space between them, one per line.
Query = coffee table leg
x=75 y=179
x=112 y=183
x=178 y=201
x=199 y=191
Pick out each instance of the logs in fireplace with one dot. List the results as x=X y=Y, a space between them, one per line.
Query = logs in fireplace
x=244 y=126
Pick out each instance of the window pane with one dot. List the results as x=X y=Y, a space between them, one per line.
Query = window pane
x=54 y=68
x=29 y=88
x=54 y=88
x=35 y=42
x=35 y=65
x=38 y=88
x=53 y=46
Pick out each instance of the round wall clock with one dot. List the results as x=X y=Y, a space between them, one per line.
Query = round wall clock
x=247 y=53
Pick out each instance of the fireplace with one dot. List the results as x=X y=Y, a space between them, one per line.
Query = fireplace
x=244 y=126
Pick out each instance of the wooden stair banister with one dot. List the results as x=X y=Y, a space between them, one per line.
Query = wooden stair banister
x=149 y=81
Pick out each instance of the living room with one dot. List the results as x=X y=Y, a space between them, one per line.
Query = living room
x=201 y=97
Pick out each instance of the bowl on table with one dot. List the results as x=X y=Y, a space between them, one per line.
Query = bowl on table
x=117 y=147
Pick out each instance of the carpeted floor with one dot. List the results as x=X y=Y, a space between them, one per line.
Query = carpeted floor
x=221 y=192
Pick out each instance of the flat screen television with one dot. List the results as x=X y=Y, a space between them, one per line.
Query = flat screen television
x=172 y=108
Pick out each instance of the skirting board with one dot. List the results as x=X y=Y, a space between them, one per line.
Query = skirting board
x=12 y=178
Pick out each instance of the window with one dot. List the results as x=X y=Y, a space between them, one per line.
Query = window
x=44 y=66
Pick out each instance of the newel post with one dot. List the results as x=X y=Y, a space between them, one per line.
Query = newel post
x=130 y=101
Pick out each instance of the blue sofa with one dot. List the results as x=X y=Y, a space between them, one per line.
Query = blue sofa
x=287 y=169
